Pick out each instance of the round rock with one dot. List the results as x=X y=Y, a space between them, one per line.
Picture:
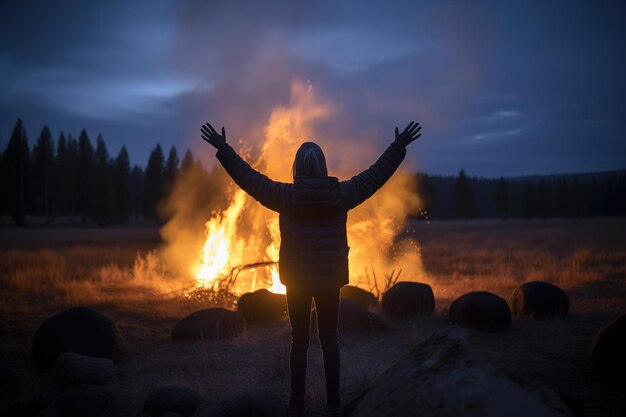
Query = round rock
x=538 y=298
x=359 y=296
x=354 y=318
x=209 y=324
x=262 y=306
x=86 y=400
x=74 y=369
x=81 y=330
x=481 y=310
x=608 y=353
x=408 y=300
x=171 y=398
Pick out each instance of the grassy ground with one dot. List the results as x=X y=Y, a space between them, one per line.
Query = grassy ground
x=44 y=271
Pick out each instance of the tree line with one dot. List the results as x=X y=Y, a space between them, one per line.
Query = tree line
x=550 y=196
x=70 y=177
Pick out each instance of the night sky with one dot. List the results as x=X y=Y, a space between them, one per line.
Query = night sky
x=501 y=88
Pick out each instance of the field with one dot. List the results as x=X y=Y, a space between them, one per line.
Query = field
x=43 y=271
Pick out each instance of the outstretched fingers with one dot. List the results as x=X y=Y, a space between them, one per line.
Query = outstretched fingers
x=415 y=131
x=212 y=128
x=409 y=134
x=208 y=131
x=408 y=128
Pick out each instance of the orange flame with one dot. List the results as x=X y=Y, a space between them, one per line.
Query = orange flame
x=243 y=232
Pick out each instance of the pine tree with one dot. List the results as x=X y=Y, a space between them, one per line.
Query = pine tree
x=622 y=195
x=84 y=196
x=502 y=198
x=43 y=174
x=563 y=199
x=136 y=185
x=171 y=170
x=3 y=186
x=188 y=161
x=73 y=175
x=544 y=205
x=16 y=164
x=463 y=197
x=611 y=191
x=153 y=183
x=579 y=202
x=61 y=176
x=529 y=200
x=123 y=192
x=427 y=195
x=103 y=209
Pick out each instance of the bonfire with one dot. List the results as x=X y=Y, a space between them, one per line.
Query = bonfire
x=241 y=246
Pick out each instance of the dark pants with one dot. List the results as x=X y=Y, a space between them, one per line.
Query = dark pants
x=327 y=308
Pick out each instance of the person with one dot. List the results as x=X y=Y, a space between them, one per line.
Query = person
x=313 y=257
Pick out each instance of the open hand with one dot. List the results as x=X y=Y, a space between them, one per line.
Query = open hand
x=211 y=136
x=409 y=134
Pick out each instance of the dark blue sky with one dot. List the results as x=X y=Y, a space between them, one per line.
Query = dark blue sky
x=501 y=88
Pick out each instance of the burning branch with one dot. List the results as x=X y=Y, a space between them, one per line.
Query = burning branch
x=390 y=281
x=222 y=288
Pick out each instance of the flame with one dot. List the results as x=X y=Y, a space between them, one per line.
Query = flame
x=249 y=233
x=219 y=245
x=272 y=251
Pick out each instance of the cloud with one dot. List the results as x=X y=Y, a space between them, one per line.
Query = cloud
x=498 y=134
x=472 y=74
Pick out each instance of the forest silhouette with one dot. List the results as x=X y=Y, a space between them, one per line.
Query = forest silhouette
x=69 y=177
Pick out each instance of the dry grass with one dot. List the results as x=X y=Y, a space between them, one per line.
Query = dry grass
x=587 y=258
x=498 y=256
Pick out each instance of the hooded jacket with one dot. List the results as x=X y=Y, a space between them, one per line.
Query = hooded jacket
x=312 y=216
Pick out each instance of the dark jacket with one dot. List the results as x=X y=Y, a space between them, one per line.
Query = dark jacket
x=313 y=215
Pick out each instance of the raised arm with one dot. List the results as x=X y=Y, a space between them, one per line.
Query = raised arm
x=271 y=194
x=362 y=186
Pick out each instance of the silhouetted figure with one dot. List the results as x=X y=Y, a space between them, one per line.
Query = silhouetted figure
x=314 y=249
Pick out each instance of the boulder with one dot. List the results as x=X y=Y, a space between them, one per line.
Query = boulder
x=79 y=329
x=608 y=353
x=408 y=300
x=262 y=403
x=354 y=318
x=445 y=377
x=74 y=369
x=359 y=296
x=171 y=398
x=539 y=298
x=481 y=310
x=86 y=400
x=209 y=324
x=262 y=306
